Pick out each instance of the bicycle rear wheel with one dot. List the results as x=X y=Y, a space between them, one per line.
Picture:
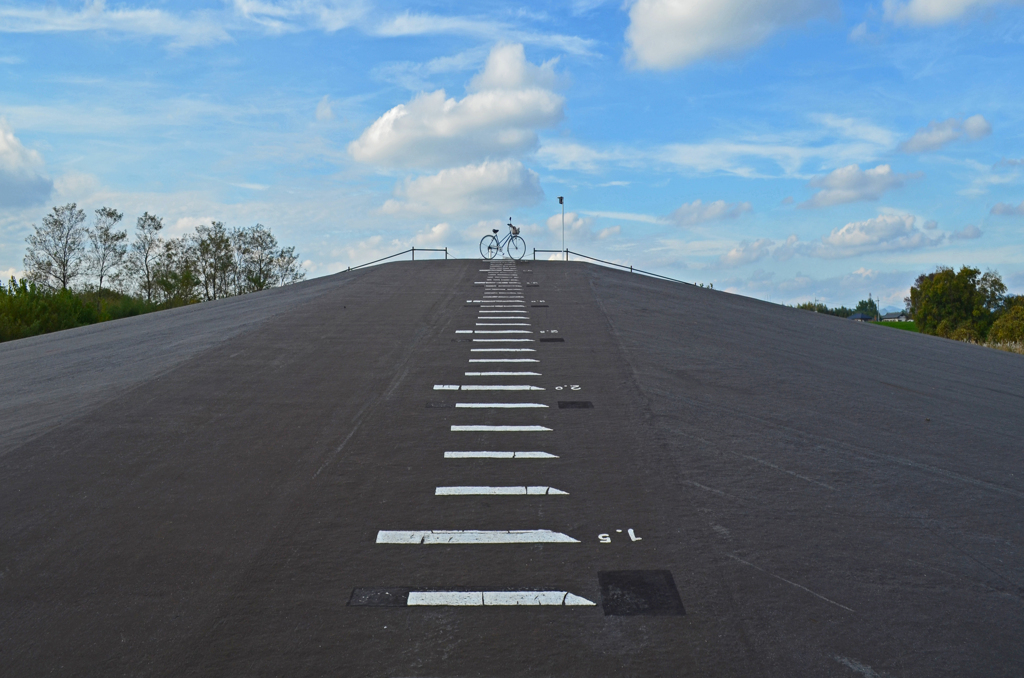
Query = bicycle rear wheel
x=516 y=247
x=489 y=247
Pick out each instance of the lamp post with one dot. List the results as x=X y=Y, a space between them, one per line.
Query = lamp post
x=561 y=201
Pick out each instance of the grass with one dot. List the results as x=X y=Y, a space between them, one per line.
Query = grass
x=909 y=325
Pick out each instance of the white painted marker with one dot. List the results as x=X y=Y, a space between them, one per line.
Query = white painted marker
x=503 y=374
x=495 y=598
x=499 y=455
x=499 y=406
x=503 y=360
x=486 y=387
x=480 y=428
x=519 y=490
x=504 y=350
x=473 y=537
x=507 y=341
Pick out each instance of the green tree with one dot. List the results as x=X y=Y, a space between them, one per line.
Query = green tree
x=867 y=306
x=145 y=252
x=56 y=250
x=175 y=274
x=956 y=304
x=214 y=260
x=1009 y=328
x=107 y=247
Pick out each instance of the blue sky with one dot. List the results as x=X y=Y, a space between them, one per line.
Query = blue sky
x=782 y=149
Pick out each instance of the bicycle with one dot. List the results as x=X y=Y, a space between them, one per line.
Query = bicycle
x=512 y=244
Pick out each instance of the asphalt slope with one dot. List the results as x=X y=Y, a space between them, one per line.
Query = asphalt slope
x=695 y=484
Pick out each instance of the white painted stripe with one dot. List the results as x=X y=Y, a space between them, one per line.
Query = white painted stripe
x=503 y=359
x=503 y=374
x=487 y=387
x=503 y=387
x=483 y=454
x=495 y=599
x=524 y=490
x=504 y=406
x=500 y=331
x=463 y=331
x=483 y=428
x=506 y=350
x=502 y=340
x=501 y=317
x=473 y=537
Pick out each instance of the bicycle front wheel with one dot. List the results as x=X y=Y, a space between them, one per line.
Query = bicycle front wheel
x=516 y=247
x=489 y=247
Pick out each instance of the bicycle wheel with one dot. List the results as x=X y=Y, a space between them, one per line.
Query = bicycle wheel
x=516 y=247
x=488 y=247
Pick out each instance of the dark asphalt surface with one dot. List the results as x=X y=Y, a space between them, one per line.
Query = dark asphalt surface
x=199 y=493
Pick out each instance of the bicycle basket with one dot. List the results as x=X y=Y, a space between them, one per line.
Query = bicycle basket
x=515 y=231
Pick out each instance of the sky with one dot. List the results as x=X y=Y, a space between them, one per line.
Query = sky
x=788 y=150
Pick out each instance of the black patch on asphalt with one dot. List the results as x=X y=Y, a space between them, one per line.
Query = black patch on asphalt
x=553 y=339
x=379 y=597
x=627 y=593
x=440 y=404
x=575 y=405
x=538 y=305
x=454 y=340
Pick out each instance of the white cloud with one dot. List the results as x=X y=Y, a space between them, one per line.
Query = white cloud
x=579 y=228
x=938 y=134
x=1006 y=209
x=746 y=253
x=851 y=184
x=568 y=155
x=295 y=15
x=416 y=76
x=969 y=232
x=409 y=24
x=198 y=28
x=664 y=34
x=440 y=235
x=697 y=212
x=482 y=188
x=931 y=12
x=323 y=109
x=21 y=180
x=627 y=216
x=499 y=119
x=930 y=225
x=884 y=233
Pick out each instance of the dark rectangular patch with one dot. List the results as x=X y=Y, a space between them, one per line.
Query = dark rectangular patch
x=538 y=305
x=639 y=592
x=533 y=284
x=432 y=404
x=379 y=597
x=455 y=340
x=553 y=339
x=575 y=405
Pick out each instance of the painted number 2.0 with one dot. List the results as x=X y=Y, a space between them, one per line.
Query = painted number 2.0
x=571 y=387
x=607 y=538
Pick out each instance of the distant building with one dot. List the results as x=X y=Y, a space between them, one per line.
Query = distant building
x=861 y=317
x=895 y=317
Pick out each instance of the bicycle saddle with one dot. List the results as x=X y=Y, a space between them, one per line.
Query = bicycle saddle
x=494 y=230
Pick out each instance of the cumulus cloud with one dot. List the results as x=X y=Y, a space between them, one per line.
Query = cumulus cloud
x=938 y=134
x=931 y=225
x=664 y=34
x=489 y=186
x=1005 y=209
x=969 y=232
x=696 y=212
x=851 y=184
x=21 y=180
x=746 y=252
x=440 y=235
x=508 y=102
x=884 y=233
x=579 y=228
x=931 y=12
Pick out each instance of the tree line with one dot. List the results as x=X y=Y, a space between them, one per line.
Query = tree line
x=966 y=305
x=76 y=274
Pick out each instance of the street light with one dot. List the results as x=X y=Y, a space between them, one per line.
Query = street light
x=561 y=201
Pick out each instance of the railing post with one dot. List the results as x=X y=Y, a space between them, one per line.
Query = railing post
x=535 y=254
x=414 y=254
x=446 y=254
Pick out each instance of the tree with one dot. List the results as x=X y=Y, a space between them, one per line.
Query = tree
x=255 y=252
x=145 y=251
x=214 y=258
x=867 y=306
x=57 y=248
x=107 y=247
x=175 y=275
x=288 y=268
x=958 y=304
x=1009 y=328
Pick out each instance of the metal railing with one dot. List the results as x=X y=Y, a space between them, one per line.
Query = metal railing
x=392 y=256
x=535 y=250
x=629 y=268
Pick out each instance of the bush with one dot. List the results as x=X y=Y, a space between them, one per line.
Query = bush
x=27 y=310
x=1009 y=329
